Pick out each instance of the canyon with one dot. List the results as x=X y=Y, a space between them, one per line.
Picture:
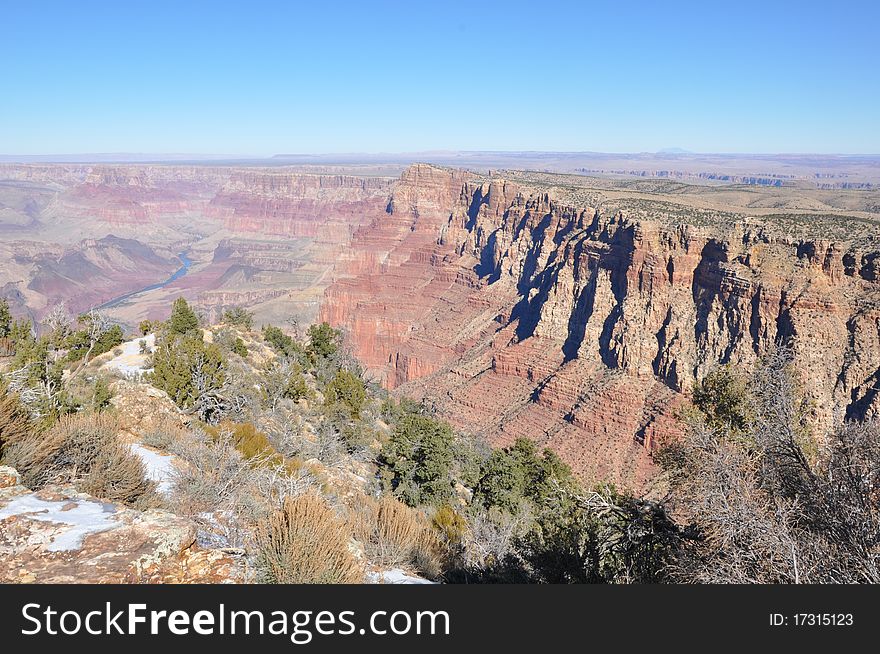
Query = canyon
x=574 y=310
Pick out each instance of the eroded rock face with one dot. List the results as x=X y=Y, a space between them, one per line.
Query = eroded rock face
x=326 y=207
x=57 y=535
x=519 y=315
x=266 y=238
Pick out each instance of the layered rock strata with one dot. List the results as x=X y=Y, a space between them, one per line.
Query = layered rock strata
x=585 y=329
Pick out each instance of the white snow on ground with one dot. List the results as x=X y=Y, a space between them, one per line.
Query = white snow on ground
x=83 y=518
x=395 y=576
x=131 y=362
x=159 y=467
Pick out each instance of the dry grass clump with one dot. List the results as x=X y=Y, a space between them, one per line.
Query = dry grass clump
x=304 y=542
x=394 y=534
x=64 y=452
x=14 y=424
x=82 y=449
x=118 y=475
x=163 y=434
x=252 y=443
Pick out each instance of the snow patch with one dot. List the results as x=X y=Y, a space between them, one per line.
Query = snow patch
x=130 y=363
x=159 y=467
x=83 y=518
x=395 y=576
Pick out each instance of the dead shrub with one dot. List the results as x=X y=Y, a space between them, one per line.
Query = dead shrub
x=394 y=534
x=489 y=537
x=305 y=543
x=65 y=452
x=214 y=477
x=252 y=443
x=226 y=493
x=82 y=449
x=14 y=424
x=118 y=475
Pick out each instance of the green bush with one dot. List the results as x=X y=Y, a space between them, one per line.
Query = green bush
x=516 y=474
x=282 y=343
x=418 y=460
x=21 y=334
x=239 y=348
x=102 y=394
x=393 y=411
x=503 y=482
x=45 y=376
x=79 y=342
x=722 y=398
x=183 y=319
x=186 y=367
x=283 y=380
x=323 y=340
x=5 y=319
x=597 y=537
x=348 y=390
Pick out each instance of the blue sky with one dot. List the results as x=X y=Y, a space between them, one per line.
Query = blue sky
x=261 y=77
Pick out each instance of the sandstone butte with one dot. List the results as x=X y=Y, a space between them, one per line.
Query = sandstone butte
x=580 y=320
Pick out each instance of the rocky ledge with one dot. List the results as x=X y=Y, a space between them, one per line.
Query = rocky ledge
x=57 y=535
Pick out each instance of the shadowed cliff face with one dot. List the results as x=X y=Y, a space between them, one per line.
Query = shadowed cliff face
x=583 y=329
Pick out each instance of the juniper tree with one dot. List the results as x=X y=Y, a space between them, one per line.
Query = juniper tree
x=239 y=317
x=418 y=459
x=323 y=340
x=5 y=318
x=183 y=319
x=348 y=390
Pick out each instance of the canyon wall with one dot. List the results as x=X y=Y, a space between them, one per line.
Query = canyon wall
x=585 y=329
x=265 y=238
x=548 y=307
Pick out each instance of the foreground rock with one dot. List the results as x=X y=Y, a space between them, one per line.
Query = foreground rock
x=144 y=408
x=57 y=535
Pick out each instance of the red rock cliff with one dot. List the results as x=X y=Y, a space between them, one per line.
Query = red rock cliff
x=519 y=315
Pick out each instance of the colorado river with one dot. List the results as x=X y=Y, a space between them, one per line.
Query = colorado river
x=184 y=260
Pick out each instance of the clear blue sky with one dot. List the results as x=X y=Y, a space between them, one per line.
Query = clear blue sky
x=258 y=77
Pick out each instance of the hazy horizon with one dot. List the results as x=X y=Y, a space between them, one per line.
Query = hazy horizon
x=148 y=157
